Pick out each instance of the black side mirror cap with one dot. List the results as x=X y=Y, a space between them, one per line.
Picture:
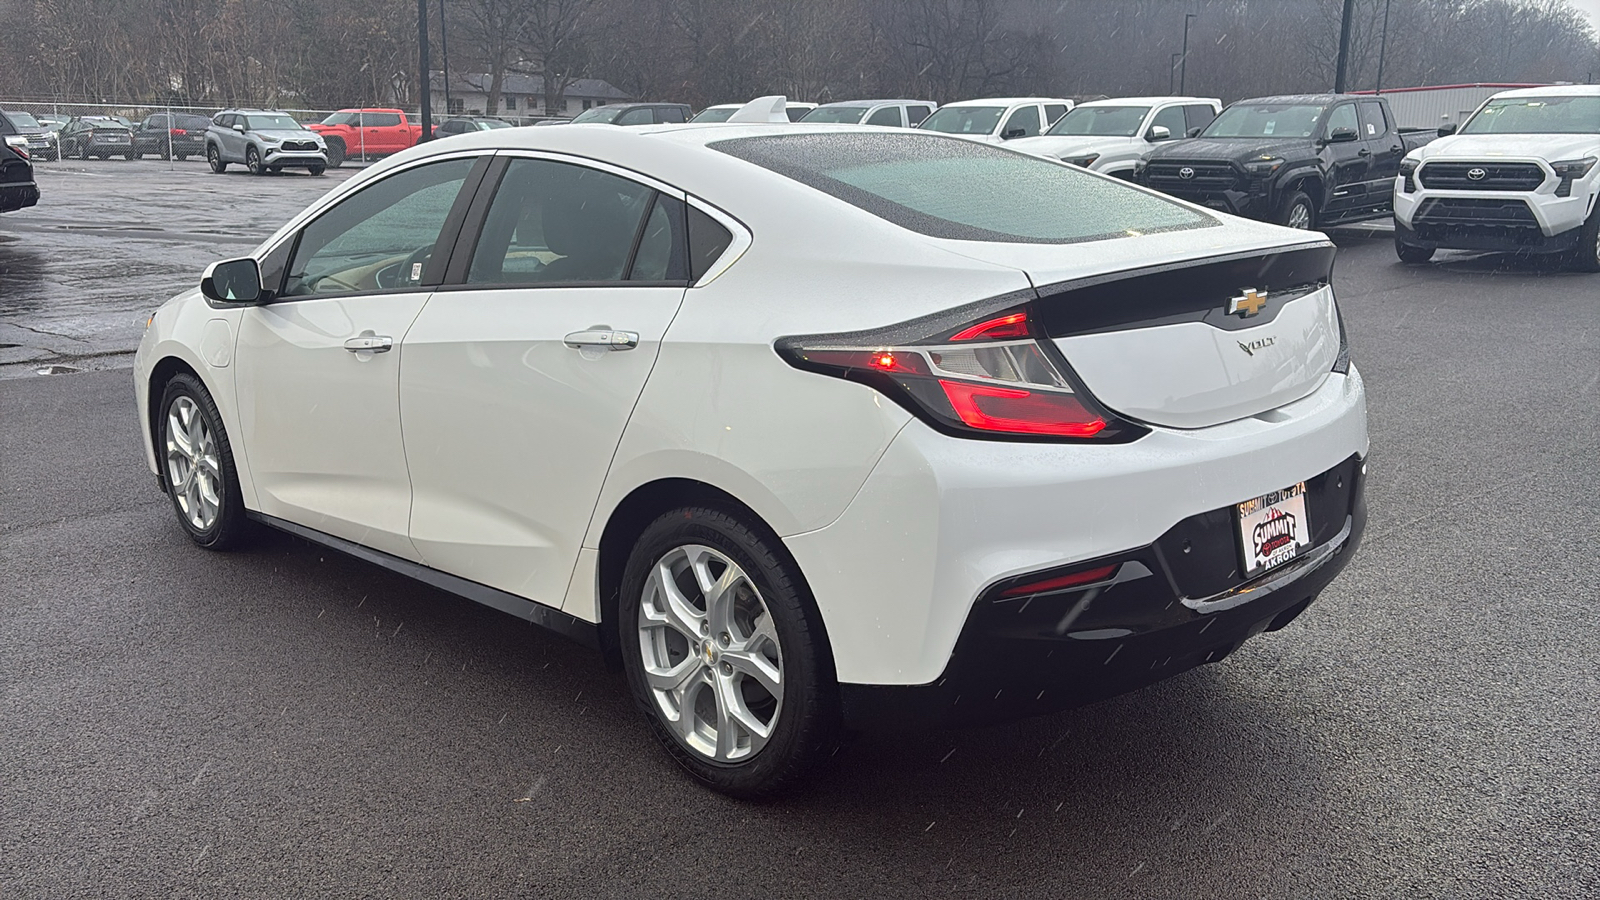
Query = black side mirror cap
x=1195 y=131
x=235 y=282
x=1341 y=135
x=1013 y=133
x=1447 y=130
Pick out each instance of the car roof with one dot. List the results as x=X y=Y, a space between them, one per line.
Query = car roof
x=1299 y=99
x=874 y=103
x=1005 y=101
x=1124 y=101
x=1555 y=90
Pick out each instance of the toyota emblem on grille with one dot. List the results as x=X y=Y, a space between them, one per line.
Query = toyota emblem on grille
x=1477 y=174
x=1186 y=172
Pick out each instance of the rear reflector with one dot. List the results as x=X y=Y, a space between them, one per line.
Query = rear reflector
x=1021 y=411
x=1060 y=582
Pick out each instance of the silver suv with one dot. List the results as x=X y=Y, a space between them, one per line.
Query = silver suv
x=263 y=141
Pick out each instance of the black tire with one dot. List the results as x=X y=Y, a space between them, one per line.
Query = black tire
x=315 y=170
x=274 y=170
x=1411 y=254
x=83 y=152
x=806 y=728
x=181 y=157
x=335 y=153
x=231 y=526
x=252 y=161
x=214 y=159
x=137 y=154
x=167 y=154
x=1288 y=207
x=1587 y=257
x=130 y=157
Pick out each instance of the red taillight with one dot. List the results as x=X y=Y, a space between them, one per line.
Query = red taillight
x=1021 y=411
x=1059 y=582
x=991 y=379
x=1014 y=325
x=179 y=131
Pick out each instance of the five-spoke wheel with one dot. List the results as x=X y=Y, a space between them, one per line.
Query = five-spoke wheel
x=197 y=464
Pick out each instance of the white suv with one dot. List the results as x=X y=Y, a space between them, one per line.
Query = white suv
x=805 y=427
x=1520 y=176
x=1112 y=136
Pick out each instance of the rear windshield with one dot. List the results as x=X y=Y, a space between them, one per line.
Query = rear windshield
x=194 y=123
x=23 y=120
x=963 y=190
x=836 y=115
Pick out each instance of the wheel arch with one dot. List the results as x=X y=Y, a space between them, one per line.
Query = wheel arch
x=161 y=373
x=648 y=502
x=1308 y=182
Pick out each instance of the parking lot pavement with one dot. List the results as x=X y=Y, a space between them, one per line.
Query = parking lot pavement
x=178 y=723
x=112 y=239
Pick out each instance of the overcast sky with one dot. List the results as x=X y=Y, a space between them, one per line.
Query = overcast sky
x=1592 y=7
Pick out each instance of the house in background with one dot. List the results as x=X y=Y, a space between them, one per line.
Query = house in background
x=521 y=96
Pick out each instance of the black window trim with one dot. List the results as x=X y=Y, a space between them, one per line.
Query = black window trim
x=449 y=233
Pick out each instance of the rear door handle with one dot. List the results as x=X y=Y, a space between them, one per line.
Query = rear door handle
x=601 y=336
x=369 y=342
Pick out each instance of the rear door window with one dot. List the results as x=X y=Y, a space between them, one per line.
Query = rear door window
x=916 y=112
x=1373 y=122
x=1199 y=116
x=380 y=120
x=1025 y=120
x=669 y=114
x=1054 y=111
x=554 y=222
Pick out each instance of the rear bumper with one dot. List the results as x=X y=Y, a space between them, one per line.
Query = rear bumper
x=1026 y=656
x=18 y=195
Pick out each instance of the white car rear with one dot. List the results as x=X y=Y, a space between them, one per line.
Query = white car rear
x=804 y=427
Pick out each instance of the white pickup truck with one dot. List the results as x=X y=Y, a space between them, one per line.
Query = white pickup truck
x=1519 y=176
x=1111 y=136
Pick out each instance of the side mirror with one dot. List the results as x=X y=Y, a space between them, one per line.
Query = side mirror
x=238 y=127
x=1447 y=130
x=1013 y=133
x=1158 y=133
x=1341 y=135
x=1195 y=131
x=232 y=281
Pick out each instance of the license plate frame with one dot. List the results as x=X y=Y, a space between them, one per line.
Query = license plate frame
x=1274 y=529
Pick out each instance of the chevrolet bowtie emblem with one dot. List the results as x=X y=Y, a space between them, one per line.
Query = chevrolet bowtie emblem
x=1247 y=304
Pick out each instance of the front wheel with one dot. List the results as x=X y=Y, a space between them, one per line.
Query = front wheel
x=181 y=157
x=335 y=153
x=1587 y=257
x=1411 y=254
x=252 y=161
x=725 y=653
x=1296 y=211
x=136 y=155
x=198 y=465
x=214 y=159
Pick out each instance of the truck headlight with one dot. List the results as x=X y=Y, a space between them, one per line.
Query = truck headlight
x=1082 y=161
x=1569 y=171
x=1261 y=168
x=1408 y=167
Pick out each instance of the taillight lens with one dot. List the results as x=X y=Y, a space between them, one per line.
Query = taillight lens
x=178 y=131
x=992 y=378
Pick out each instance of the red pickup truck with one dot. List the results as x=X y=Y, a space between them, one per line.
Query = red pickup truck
x=365 y=133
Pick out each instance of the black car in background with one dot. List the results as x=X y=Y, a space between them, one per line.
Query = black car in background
x=98 y=136
x=171 y=134
x=468 y=124
x=41 y=141
x=17 y=187
x=635 y=114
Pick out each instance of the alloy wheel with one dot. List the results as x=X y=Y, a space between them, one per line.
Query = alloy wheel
x=193 y=469
x=1299 y=217
x=712 y=660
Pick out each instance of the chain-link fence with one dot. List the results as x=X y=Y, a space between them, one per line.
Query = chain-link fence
x=53 y=115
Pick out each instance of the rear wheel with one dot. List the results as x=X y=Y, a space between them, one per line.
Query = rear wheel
x=725 y=653
x=1411 y=254
x=214 y=159
x=137 y=154
x=252 y=161
x=167 y=154
x=1296 y=211
x=315 y=170
x=1587 y=257
x=181 y=157
x=198 y=464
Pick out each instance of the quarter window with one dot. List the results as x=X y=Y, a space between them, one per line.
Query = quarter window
x=556 y=222
x=707 y=242
x=382 y=238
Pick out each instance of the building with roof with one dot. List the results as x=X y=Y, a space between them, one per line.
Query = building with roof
x=521 y=95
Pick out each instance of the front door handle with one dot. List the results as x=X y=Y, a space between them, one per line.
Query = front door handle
x=601 y=336
x=1364 y=152
x=370 y=343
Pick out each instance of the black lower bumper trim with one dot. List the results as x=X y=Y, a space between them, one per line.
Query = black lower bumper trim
x=1498 y=237
x=1159 y=617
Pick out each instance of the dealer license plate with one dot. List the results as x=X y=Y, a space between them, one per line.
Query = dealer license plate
x=1274 y=529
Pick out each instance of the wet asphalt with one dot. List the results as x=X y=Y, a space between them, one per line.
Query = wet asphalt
x=177 y=723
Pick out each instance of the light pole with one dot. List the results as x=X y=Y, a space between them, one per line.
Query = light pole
x=1383 y=46
x=444 y=51
x=1183 y=75
x=1344 y=45
x=1172 y=72
x=422 y=64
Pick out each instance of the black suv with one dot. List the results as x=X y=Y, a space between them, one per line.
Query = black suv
x=17 y=187
x=635 y=114
x=171 y=134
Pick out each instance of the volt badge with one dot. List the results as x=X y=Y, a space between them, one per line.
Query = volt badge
x=1247 y=304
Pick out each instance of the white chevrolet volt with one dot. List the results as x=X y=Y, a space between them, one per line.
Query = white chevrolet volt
x=806 y=428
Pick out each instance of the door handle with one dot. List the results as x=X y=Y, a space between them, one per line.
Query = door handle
x=370 y=343
x=1396 y=148
x=1364 y=152
x=601 y=336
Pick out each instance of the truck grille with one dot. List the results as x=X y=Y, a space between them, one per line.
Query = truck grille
x=1168 y=175
x=1474 y=211
x=1456 y=176
x=299 y=146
